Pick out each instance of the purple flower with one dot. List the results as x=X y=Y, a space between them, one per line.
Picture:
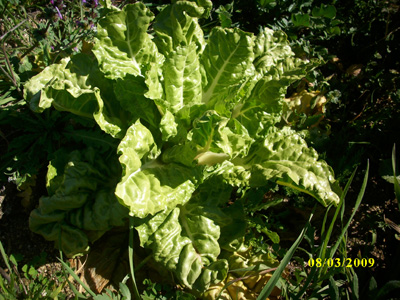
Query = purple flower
x=59 y=13
x=96 y=2
x=52 y=2
x=83 y=1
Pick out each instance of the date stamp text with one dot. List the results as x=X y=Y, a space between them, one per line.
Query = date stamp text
x=337 y=262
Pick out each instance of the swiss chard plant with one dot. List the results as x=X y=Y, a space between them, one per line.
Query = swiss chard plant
x=195 y=119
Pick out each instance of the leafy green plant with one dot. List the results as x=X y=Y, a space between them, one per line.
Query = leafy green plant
x=309 y=24
x=382 y=293
x=331 y=273
x=266 y=291
x=32 y=41
x=358 y=76
x=31 y=139
x=29 y=42
x=30 y=284
x=320 y=274
x=319 y=281
x=157 y=291
x=195 y=119
x=122 y=294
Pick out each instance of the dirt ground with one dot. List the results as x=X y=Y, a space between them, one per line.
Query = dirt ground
x=14 y=228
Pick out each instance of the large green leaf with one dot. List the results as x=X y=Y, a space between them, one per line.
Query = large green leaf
x=34 y=89
x=123 y=44
x=186 y=240
x=261 y=99
x=285 y=158
x=110 y=116
x=176 y=84
x=76 y=85
x=227 y=62
x=177 y=26
x=270 y=48
x=81 y=205
x=182 y=78
x=65 y=86
x=150 y=185
x=217 y=139
x=212 y=140
x=130 y=94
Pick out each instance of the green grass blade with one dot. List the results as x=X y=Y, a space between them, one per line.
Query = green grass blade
x=355 y=285
x=266 y=291
x=12 y=285
x=387 y=288
x=328 y=235
x=310 y=277
x=357 y=205
x=325 y=218
x=130 y=251
x=57 y=291
x=71 y=286
x=72 y=273
x=124 y=291
x=395 y=181
x=333 y=289
x=3 y=288
x=5 y=257
x=314 y=270
x=343 y=209
x=338 y=208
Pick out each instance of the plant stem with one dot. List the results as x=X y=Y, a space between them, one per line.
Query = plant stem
x=257 y=274
x=12 y=29
x=5 y=73
x=130 y=251
x=5 y=275
x=10 y=68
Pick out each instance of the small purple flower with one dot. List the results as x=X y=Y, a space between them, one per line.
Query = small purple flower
x=96 y=3
x=52 y=2
x=59 y=13
x=83 y=1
